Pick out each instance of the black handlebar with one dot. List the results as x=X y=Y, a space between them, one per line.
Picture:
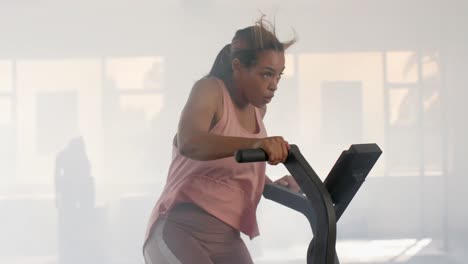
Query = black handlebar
x=251 y=155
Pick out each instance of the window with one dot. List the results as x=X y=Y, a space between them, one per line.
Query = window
x=133 y=101
x=340 y=103
x=413 y=125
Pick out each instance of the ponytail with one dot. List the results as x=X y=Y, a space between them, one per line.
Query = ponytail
x=222 y=66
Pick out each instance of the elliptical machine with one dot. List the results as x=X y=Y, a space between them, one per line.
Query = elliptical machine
x=323 y=203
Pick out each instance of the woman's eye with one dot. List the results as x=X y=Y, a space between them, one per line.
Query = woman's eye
x=268 y=75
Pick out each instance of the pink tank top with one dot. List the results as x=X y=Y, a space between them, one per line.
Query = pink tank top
x=224 y=188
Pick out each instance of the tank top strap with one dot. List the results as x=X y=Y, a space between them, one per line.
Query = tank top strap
x=228 y=107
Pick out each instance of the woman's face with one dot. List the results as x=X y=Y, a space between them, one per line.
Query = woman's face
x=258 y=83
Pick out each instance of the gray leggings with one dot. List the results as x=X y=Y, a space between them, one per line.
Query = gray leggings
x=188 y=234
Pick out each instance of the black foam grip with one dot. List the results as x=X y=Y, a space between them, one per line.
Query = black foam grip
x=251 y=155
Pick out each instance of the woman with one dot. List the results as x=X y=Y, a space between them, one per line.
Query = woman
x=209 y=198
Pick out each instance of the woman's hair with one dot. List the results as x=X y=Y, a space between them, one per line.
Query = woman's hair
x=245 y=46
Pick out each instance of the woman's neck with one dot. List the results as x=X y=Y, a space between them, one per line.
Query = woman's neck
x=236 y=95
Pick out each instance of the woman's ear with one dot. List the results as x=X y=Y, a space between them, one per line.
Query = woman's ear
x=236 y=65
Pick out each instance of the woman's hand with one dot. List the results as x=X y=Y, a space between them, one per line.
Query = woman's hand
x=276 y=148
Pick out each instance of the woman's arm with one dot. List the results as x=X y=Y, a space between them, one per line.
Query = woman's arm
x=193 y=137
x=200 y=112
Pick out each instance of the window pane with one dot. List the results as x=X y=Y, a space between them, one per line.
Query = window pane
x=404 y=148
x=5 y=76
x=432 y=123
x=5 y=111
x=402 y=67
x=135 y=73
x=403 y=103
x=146 y=106
x=403 y=151
x=56 y=119
x=136 y=137
x=341 y=112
